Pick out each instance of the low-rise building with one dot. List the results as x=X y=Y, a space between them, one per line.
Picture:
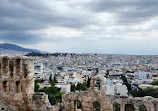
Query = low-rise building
x=64 y=87
x=116 y=87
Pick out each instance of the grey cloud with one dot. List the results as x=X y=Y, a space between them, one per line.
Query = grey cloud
x=31 y=15
x=126 y=12
x=20 y=37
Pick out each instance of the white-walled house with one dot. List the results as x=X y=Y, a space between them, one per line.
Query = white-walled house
x=116 y=87
x=145 y=75
x=64 y=87
x=74 y=81
x=117 y=90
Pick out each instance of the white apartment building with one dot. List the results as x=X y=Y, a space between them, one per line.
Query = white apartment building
x=145 y=75
x=116 y=87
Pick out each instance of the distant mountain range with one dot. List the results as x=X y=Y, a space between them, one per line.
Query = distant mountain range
x=13 y=47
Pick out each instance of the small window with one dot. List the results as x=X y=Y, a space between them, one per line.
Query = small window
x=11 y=67
x=129 y=107
x=117 y=107
x=96 y=106
x=97 y=84
x=75 y=105
x=115 y=90
x=0 y=68
x=79 y=105
x=5 y=65
x=5 y=86
x=17 y=86
x=25 y=70
x=17 y=66
x=142 y=108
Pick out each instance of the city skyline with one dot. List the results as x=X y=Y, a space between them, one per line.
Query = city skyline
x=91 y=26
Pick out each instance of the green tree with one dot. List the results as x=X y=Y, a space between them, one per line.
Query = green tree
x=124 y=79
x=79 y=87
x=88 y=82
x=142 y=108
x=138 y=93
x=73 y=87
x=155 y=83
x=107 y=73
x=54 y=94
x=37 y=85
x=145 y=92
x=55 y=80
x=117 y=106
x=50 y=78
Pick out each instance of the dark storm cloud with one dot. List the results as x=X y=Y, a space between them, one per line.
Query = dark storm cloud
x=18 y=17
x=32 y=15
x=127 y=11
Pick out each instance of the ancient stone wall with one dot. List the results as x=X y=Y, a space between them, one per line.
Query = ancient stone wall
x=41 y=103
x=89 y=99
x=17 y=86
x=4 y=107
x=16 y=81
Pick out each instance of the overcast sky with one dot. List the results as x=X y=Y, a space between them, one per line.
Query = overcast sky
x=81 y=26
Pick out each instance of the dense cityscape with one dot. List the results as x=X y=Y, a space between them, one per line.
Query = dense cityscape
x=124 y=75
x=140 y=70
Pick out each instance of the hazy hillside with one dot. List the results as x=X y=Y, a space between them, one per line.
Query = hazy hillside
x=12 y=49
x=16 y=48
